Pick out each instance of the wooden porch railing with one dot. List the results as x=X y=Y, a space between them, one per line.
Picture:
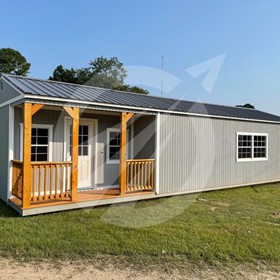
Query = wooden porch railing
x=140 y=174
x=17 y=182
x=50 y=180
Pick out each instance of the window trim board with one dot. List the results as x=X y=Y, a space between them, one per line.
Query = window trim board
x=252 y=158
x=50 y=143
x=128 y=148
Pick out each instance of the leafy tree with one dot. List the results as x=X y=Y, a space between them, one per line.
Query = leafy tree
x=102 y=72
x=106 y=72
x=134 y=89
x=75 y=76
x=12 y=62
x=247 y=105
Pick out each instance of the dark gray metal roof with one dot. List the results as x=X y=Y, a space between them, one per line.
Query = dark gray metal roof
x=78 y=93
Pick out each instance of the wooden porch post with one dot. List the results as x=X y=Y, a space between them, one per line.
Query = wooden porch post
x=125 y=117
x=74 y=114
x=28 y=111
x=75 y=153
x=27 y=125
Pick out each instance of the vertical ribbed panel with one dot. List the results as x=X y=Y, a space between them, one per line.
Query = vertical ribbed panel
x=144 y=137
x=4 y=151
x=7 y=92
x=199 y=153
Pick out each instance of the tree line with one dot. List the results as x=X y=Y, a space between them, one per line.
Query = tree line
x=102 y=72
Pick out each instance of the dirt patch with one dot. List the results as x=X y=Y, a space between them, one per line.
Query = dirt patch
x=221 y=203
x=276 y=215
x=52 y=270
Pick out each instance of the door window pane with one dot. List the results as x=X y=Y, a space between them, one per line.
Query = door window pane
x=83 y=140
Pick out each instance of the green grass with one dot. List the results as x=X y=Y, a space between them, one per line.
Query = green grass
x=226 y=226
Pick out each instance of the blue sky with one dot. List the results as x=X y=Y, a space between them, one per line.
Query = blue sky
x=185 y=32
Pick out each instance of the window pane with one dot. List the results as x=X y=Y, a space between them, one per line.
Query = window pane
x=43 y=132
x=85 y=151
x=42 y=150
x=42 y=140
x=42 y=157
x=259 y=146
x=85 y=130
x=34 y=131
x=85 y=140
x=33 y=140
x=114 y=142
x=114 y=153
x=260 y=152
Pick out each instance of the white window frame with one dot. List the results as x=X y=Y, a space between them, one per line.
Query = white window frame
x=117 y=161
x=50 y=144
x=252 y=147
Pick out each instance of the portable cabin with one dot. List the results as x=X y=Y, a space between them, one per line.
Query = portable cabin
x=66 y=146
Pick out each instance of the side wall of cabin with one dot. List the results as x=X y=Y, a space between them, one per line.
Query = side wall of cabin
x=7 y=92
x=198 y=153
x=4 y=151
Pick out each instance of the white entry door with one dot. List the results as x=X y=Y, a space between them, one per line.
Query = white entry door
x=86 y=152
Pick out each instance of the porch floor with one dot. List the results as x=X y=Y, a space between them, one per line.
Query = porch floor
x=84 y=199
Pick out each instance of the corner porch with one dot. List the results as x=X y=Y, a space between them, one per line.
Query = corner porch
x=48 y=186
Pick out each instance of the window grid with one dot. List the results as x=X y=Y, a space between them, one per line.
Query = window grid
x=114 y=145
x=83 y=140
x=251 y=146
x=244 y=146
x=259 y=146
x=39 y=144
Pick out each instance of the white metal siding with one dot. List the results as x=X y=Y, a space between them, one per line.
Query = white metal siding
x=200 y=153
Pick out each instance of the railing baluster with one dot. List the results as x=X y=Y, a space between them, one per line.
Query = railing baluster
x=61 y=181
x=40 y=182
x=45 y=182
x=149 y=166
x=142 y=175
x=66 y=181
x=32 y=184
x=51 y=182
x=146 y=176
x=56 y=182
x=152 y=174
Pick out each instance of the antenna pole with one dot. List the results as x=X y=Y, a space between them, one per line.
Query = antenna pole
x=162 y=63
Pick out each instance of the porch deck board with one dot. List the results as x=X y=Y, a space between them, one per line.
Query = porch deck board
x=82 y=196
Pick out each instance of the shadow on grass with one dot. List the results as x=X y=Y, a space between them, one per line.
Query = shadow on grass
x=6 y=211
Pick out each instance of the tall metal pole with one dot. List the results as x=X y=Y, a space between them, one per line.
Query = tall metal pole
x=162 y=64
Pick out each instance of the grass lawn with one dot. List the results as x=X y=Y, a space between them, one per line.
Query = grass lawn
x=237 y=225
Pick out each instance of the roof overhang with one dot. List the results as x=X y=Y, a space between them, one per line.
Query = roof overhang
x=118 y=108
